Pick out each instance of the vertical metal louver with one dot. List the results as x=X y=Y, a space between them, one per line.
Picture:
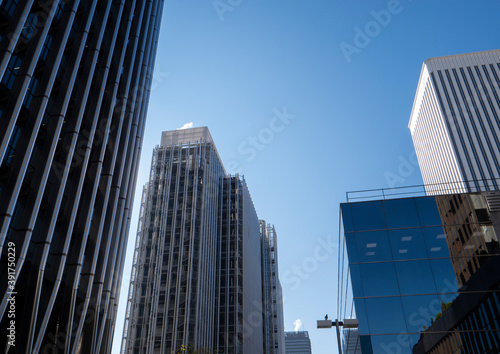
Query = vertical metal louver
x=75 y=77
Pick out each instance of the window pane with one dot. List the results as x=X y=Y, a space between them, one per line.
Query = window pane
x=415 y=277
x=376 y=285
x=373 y=246
x=435 y=240
x=377 y=310
x=428 y=211
x=420 y=311
x=408 y=244
x=368 y=216
x=401 y=213
x=391 y=344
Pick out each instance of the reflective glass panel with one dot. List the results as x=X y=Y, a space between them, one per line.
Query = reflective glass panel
x=420 y=311
x=385 y=315
x=379 y=279
x=401 y=213
x=444 y=276
x=415 y=277
x=346 y=217
x=391 y=344
x=368 y=216
x=407 y=244
x=352 y=253
x=361 y=316
x=435 y=240
x=428 y=211
x=373 y=246
x=357 y=286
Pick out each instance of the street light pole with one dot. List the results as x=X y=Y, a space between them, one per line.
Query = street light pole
x=347 y=323
x=337 y=324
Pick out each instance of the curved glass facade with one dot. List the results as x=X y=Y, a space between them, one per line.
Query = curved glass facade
x=418 y=268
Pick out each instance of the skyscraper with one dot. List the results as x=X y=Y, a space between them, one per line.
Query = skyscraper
x=350 y=341
x=197 y=279
x=274 y=327
x=297 y=342
x=74 y=86
x=455 y=122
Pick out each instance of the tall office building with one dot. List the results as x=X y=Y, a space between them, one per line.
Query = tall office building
x=74 y=87
x=455 y=122
x=350 y=341
x=274 y=326
x=423 y=274
x=197 y=270
x=297 y=342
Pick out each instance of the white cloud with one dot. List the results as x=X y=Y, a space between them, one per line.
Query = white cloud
x=298 y=324
x=186 y=126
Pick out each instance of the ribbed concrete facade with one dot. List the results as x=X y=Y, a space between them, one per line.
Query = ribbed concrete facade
x=197 y=272
x=455 y=122
x=74 y=87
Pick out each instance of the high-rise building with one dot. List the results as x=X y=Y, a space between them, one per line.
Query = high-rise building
x=422 y=273
x=350 y=341
x=75 y=78
x=297 y=342
x=274 y=327
x=197 y=278
x=455 y=122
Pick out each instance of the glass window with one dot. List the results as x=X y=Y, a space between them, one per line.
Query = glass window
x=428 y=211
x=377 y=310
x=401 y=213
x=444 y=276
x=415 y=277
x=373 y=246
x=361 y=316
x=408 y=244
x=352 y=252
x=420 y=311
x=46 y=46
x=357 y=285
x=436 y=242
x=389 y=344
x=30 y=26
x=368 y=216
x=347 y=217
x=11 y=72
x=379 y=279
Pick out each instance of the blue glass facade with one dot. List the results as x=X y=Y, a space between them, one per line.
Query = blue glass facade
x=422 y=273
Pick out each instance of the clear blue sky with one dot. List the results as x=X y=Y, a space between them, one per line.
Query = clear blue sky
x=307 y=99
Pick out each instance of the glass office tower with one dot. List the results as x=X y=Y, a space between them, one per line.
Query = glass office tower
x=74 y=86
x=424 y=273
x=274 y=326
x=197 y=279
x=297 y=342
